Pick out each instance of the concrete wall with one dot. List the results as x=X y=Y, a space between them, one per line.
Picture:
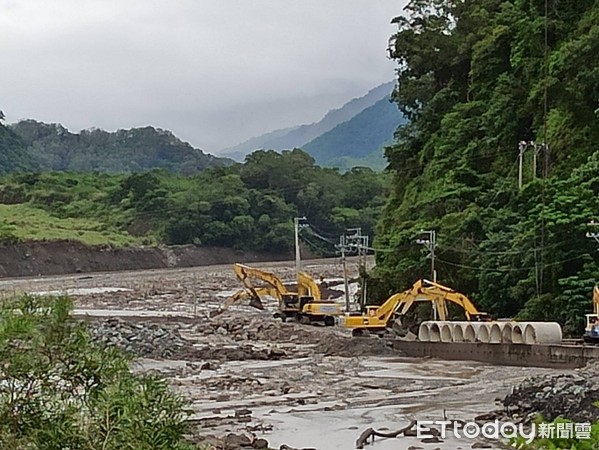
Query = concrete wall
x=557 y=356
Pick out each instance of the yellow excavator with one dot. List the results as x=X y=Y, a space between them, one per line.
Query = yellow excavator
x=591 y=333
x=379 y=319
x=305 y=305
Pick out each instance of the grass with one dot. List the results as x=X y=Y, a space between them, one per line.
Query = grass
x=26 y=222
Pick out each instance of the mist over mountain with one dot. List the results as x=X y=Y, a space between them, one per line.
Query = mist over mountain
x=298 y=136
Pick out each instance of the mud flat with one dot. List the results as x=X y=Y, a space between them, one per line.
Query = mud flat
x=244 y=372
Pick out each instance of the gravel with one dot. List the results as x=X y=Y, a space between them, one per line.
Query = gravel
x=232 y=338
x=570 y=396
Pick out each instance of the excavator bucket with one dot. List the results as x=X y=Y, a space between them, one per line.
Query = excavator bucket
x=256 y=303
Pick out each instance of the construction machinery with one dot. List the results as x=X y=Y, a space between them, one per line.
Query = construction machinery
x=591 y=333
x=379 y=319
x=252 y=294
x=305 y=305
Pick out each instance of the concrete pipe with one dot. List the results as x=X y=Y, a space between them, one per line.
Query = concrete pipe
x=446 y=332
x=434 y=332
x=542 y=333
x=458 y=332
x=495 y=333
x=484 y=333
x=518 y=333
x=424 y=332
x=506 y=333
x=471 y=331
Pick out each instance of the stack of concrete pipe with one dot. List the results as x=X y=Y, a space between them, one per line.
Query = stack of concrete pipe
x=491 y=332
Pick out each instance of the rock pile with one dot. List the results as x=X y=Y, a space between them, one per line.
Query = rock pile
x=236 y=338
x=164 y=341
x=251 y=328
x=233 y=441
x=324 y=340
x=145 y=339
x=571 y=396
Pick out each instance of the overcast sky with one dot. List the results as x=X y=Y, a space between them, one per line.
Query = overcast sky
x=215 y=72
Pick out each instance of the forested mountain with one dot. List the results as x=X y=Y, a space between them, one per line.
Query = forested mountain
x=476 y=78
x=52 y=147
x=360 y=140
x=296 y=137
x=13 y=152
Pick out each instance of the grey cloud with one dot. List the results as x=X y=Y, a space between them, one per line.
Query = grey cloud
x=215 y=72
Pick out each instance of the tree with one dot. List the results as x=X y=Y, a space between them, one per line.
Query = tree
x=60 y=390
x=475 y=78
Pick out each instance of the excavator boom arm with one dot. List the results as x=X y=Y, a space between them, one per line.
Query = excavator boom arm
x=421 y=291
x=246 y=273
x=307 y=287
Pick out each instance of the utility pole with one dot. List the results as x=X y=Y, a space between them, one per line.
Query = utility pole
x=537 y=149
x=356 y=242
x=342 y=246
x=522 y=146
x=430 y=242
x=297 y=225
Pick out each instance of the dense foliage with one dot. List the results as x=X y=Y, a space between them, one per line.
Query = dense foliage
x=51 y=147
x=248 y=206
x=475 y=78
x=13 y=153
x=60 y=390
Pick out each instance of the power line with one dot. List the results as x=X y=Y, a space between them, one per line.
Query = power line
x=315 y=246
x=328 y=241
x=319 y=233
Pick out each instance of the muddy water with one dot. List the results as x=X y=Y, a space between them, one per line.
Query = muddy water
x=416 y=390
x=332 y=400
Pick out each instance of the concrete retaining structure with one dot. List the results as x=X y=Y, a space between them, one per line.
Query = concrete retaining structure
x=536 y=355
x=491 y=332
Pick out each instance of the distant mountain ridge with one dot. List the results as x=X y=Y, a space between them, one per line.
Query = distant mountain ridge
x=360 y=140
x=51 y=147
x=298 y=136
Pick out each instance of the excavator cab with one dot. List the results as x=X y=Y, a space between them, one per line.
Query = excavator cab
x=592 y=329
x=304 y=300
x=591 y=332
x=289 y=301
x=481 y=317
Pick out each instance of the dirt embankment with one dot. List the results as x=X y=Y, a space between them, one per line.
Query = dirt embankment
x=61 y=257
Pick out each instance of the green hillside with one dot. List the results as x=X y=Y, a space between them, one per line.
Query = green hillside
x=54 y=148
x=246 y=206
x=476 y=79
x=14 y=155
x=360 y=140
